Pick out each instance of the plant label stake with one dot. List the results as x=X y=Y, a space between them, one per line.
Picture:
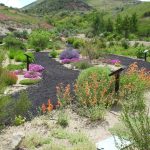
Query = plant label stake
x=28 y=61
x=117 y=78
x=145 y=56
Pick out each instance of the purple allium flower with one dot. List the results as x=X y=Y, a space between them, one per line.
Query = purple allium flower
x=67 y=61
x=69 y=54
x=36 y=68
x=115 y=61
x=32 y=74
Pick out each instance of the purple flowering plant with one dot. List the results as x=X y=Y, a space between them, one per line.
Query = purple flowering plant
x=32 y=75
x=36 y=68
x=115 y=61
x=69 y=54
x=67 y=61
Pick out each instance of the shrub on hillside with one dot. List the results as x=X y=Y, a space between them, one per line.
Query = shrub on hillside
x=39 y=39
x=76 y=42
x=69 y=54
x=12 y=42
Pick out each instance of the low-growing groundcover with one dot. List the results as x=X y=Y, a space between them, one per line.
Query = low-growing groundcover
x=29 y=81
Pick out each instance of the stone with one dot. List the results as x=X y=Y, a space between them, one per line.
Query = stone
x=16 y=140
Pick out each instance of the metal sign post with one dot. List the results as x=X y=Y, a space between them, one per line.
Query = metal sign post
x=145 y=55
x=117 y=78
x=28 y=61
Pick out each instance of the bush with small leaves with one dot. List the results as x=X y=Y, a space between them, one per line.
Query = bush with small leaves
x=53 y=54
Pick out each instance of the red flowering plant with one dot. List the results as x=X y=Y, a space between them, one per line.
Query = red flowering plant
x=49 y=106
x=9 y=78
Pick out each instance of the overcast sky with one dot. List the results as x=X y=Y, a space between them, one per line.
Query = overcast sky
x=16 y=3
x=21 y=3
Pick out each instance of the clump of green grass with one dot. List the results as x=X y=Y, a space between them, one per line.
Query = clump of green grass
x=29 y=81
x=63 y=119
x=82 y=65
x=35 y=140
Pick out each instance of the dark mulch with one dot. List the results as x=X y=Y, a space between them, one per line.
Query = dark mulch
x=126 y=61
x=54 y=74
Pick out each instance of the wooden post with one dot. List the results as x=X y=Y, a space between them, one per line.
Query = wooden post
x=28 y=61
x=117 y=78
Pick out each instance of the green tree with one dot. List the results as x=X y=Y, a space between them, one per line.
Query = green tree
x=118 y=24
x=39 y=39
x=126 y=26
x=133 y=23
x=109 y=25
x=98 y=25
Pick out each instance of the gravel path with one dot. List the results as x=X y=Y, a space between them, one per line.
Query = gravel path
x=126 y=61
x=54 y=74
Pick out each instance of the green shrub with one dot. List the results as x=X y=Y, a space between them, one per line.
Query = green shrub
x=5 y=113
x=82 y=65
x=29 y=81
x=76 y=42
x=63 y=119
x=53 y=54
x=12 y=54
x=13 y=67
x=20 y=57
x=39 y=39
x=125 y=43
x=37 y=49
x=12 y=42
x=19 y=120
x=140 y=52
x=93 y=84
x=22 y=105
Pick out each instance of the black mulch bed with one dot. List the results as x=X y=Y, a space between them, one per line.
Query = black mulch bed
x=126 y=61
x=54 y=74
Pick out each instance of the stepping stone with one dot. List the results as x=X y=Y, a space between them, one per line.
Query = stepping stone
x=112 y=143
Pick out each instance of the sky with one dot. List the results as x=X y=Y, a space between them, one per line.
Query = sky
x=21 y=3
x=16 y=3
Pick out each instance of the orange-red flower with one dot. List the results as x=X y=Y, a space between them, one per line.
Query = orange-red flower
x=43 y=108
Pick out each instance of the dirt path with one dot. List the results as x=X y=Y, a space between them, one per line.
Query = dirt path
x=54 y=74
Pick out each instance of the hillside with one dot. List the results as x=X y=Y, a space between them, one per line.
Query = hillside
x=16 y=20
x=47 y=6
x=109 y=5
x=143 y=13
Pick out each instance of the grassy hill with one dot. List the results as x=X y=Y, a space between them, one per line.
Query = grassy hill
x=140 y=9
x=109 y=5
x=10 y=14
x=47 y=6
